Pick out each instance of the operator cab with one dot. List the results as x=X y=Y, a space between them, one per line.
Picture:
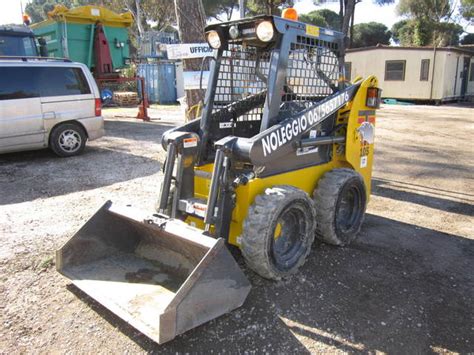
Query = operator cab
x=17 y=40
x=267 y=69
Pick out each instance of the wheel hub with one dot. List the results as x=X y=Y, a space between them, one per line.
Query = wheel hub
x=347 y=213
x=70 y=141
x=288 y=235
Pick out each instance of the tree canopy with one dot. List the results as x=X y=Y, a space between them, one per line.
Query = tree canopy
x=467 y=9
x=346 y=13
x=220 y=8
x=420 y=32
x=38 y=9
x=427 y=23
x=370 y=34
x=159 y=12
x=269 y=7
x=432 y=10
x=323 y=18
x=144 y=11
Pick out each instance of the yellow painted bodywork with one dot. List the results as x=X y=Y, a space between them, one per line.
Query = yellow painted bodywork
x=89 y=14
x=305 y=179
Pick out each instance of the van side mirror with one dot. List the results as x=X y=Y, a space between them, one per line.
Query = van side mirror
x=43 y=48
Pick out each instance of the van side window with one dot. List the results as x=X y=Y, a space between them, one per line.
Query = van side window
x=28 y=82
x=18 y=83
x=58 y=81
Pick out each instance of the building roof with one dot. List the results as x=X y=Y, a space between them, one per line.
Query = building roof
x=467 y=49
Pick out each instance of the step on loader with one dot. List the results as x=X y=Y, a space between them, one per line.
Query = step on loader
x=281 y=154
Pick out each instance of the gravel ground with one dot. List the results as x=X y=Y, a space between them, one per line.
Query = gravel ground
x=405 y=286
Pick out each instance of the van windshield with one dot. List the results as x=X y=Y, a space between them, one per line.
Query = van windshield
x=17 y=46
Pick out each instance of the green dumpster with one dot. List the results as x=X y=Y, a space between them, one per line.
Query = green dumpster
x=69 y=33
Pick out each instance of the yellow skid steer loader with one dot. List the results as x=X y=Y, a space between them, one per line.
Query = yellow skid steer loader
x=281 y=154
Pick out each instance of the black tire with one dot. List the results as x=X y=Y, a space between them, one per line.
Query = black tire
x=68 y=139
x=289 y=212
x=340 y=200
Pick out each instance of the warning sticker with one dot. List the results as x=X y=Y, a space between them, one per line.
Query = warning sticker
x=366 y=133
x=226 y=124
x=364 y=153
x=312 y=30
x=304 y=151
x=190 y=142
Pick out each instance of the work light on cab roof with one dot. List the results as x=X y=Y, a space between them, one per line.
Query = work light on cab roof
x=265 y=31
x=214 y=39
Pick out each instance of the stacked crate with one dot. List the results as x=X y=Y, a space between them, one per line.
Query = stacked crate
x=126 y=98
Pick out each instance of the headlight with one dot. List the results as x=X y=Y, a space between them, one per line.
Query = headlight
x=265 y=31
x=213 y=39
x=233 y=32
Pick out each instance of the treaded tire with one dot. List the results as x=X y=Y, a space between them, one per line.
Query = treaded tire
x=59 y=146
x=278 y=210
x=339 y=222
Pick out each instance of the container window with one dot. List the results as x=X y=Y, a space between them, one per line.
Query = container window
x=471 y=72
x=395 y=70
x=60 y=81
x=18 y=83
x=425 y=70
x=348 y=70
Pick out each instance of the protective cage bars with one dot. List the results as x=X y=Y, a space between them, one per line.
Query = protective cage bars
x=313 y=71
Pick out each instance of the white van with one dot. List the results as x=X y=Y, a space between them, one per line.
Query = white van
x=48 y=103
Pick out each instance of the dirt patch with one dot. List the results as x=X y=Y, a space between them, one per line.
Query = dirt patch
x=406 y=285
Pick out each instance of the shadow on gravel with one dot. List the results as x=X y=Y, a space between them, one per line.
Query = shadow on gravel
x=26 y=176
x=399 y=288
x=417 y=195
x=138 y=130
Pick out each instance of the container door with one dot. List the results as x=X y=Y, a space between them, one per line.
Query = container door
x=167 y=80
x=150 y=73
x=21 y=121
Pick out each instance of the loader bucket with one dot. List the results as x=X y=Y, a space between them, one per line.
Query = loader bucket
x=160 y=275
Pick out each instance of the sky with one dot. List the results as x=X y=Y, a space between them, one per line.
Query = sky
x=10 y=11
x=366 y=11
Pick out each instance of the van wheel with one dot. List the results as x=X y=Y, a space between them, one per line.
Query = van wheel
x=68 y=139
x=340 y=200
x=278 y=232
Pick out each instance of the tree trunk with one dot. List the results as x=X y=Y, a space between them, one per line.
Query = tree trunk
x=269 y=5
x=341 y=14
x=348 y=12
x=138 y=18
x=242 y=8
x=352 y=27
x=191 y=20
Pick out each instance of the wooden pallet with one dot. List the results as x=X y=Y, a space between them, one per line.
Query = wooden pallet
x=126 y=98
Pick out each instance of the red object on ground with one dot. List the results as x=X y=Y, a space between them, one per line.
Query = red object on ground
x=143 y=107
